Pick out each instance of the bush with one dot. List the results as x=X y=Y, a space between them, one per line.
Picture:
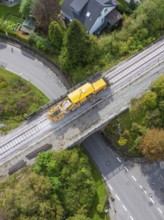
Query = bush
x=100 y=208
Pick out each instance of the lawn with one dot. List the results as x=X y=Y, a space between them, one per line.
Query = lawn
x=18 y=99
x=9 y=17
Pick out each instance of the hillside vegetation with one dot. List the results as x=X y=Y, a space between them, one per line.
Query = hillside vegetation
x=18 y=98
x=61 y=185
x=141 y=128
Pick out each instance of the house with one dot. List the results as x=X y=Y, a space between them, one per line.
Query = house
x=93 y=14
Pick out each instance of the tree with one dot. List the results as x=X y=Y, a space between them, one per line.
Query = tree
x=32 y=198
x=78 y=49
x=150 y=100
x=55 y=34
x=158 y=87
x=70 y=174
x=152 y=146
x=154 y=21
x=132 y=4
x=153 y=119
x=25 y=7
x=44 y=11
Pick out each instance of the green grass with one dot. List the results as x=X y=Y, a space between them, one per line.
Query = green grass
x=5 y=10
x=125 y=120
x=18 y=99
x=101 y=195
x=9 y=17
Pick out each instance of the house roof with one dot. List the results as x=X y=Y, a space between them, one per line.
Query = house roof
x=86 y=11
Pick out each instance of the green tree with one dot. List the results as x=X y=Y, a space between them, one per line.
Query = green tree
x=132 y=4
x=150 y=100
x=78 y=47
x=32 y=197
x=55 y=34
x=153 y=119
x=25 y=7
x=70 y=174
x=153 y=11
x=152 y=146
x=158 y=87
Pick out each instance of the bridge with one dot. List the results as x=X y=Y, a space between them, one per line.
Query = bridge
x=128 y=80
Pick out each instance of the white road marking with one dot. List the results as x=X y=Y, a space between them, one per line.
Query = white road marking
x=124 y=208
x=117 y=197
x=159 y=210
x=118 y=159
x=134 y=178
x=126 y=168
x=141 y=187
x=152 y=200
x=131 y=218
x=145 y=191
x=110 y=186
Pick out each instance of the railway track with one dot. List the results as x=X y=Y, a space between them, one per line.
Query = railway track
x=151 y=54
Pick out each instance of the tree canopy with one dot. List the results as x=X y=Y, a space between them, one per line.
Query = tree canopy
x=152 y=145
x=25 y=7
x=32 y=198
x=44 y=11
x=78 y=47
x=55 y=34
x=60 y=186
x=70 y=174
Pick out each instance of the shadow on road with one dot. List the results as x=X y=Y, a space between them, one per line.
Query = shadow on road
x=103 y=157
x=27 y=54
x=155 y=179
x=2 y=46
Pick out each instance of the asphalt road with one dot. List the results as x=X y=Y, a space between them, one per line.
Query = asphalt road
x=31 y=69
x=135 y=187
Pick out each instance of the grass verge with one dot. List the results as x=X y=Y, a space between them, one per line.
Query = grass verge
x=18 y=99
x=100 y=197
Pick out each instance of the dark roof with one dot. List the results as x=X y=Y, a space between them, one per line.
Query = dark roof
x=78 y=5
x=92 y=8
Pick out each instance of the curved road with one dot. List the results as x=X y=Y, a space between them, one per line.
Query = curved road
x=31 y=69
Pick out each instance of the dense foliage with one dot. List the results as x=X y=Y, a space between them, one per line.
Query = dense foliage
x=55 y=34
x=26 y=7
x=33 y=198
x=145 y=118
x=78 y=47
x=74 y=178
x=44 y=11
x=152 y=145
x=60 y=185
x=18 y=99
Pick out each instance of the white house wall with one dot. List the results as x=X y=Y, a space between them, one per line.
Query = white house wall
x=100 y=20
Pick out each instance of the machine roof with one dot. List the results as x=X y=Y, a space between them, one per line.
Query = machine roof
x=81 y=93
